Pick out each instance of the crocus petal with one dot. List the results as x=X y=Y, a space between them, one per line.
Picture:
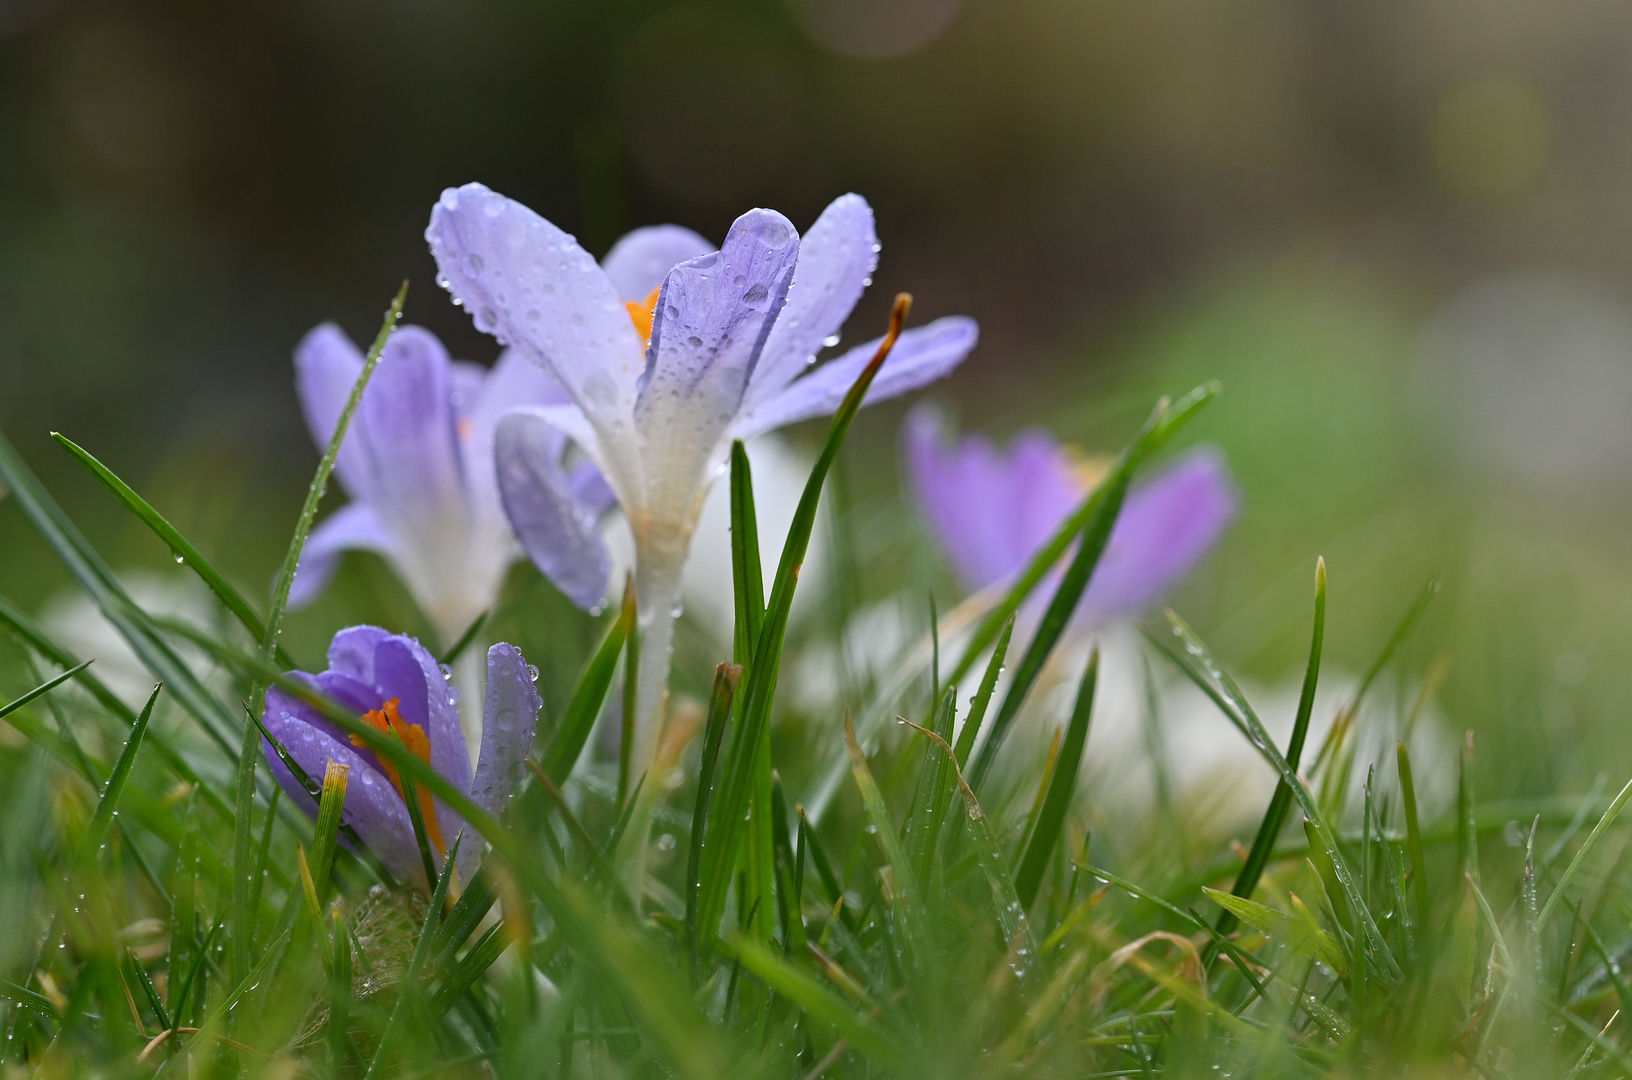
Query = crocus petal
x=531 y=285
x=372 y=806
x=351 y=528
x=640 y=261
x=326 y=367
x=555 y=530
x=407 y=413
x=712 y=320
x=837 y=258
x=991 y=513
x=513 y=381
x=921 y=355
x=351 y=651
x=1167 y=524
x=509 y=722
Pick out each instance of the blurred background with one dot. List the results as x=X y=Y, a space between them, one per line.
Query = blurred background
x=1398 y=233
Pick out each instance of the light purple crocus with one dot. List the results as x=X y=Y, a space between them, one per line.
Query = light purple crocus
x=417 y=461
x=668 y=352
x=991 y=511
x=394 y=683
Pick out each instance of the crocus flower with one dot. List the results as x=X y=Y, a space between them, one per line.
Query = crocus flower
x=992 y=511
x=668 y=352
x=394 y=684
x=417 y=461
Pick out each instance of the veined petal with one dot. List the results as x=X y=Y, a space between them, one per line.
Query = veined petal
x=409 y=449
x=711 y=322
x=530 y=285
x=326 y=367
x=921 y=355
x=556 y=531
x=509 y=722
x=837 y=257
x=353 y=527
x=640 y=261
x=372 y=805
x=1167 y=524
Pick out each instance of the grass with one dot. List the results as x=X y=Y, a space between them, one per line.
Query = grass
x=946 y=915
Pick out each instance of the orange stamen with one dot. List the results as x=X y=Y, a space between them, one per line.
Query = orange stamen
x=642 y=312
x=386 y=721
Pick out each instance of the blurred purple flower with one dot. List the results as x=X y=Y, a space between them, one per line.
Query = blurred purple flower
x=991 y=512
x=668 y=352
x=393 y=683
x=417 y=461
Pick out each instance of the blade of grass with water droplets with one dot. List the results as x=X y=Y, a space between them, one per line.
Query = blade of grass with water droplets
x=572 y=730
x=1051 y=820
x=102 y=818
x=760 y=676
x=719 y=713
x=1263 y=845
x=1587 y=846
x=242 y=928
x=179 y=545
x=1377 y=949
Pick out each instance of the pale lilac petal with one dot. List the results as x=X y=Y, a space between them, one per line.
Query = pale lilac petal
x=326 y=367
x=989 y=512
x=590 y=489
x=530 y=285
x=921 y=355
x=555 y=530
x=640 y=261
x=465 y=382
x=711 y=322
x=1167 y=524
x=414 y=474
x=513 y=382
x=837 y=257
x=351 y=528
x=509 y=723
x=372 y=805
x=351 y=651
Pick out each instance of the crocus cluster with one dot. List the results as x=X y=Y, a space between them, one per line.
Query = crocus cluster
x=992 y=511
x=394 y=684
x=666 y=353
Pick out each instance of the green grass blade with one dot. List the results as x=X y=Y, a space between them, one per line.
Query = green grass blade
x=44 y=688
x=1173 y=418
x=747 y=576
x=818 y=1002
x=326 y=834
x=760 y=677
x=243 y=919
x=1585 y=850
x=102 y=818
x=416 y=964
x=931 y=801
x=179 y=545
x=719 y=712
x=339 y=994
x=457 y=649
x=97 y=579
x=1376 y=948
x=206 y=1032
x=1263 y=845
x=472 y=966
x=1413 y=835
x=906 y=894
x=1051 y=821
x=983 y=696
x=567 y=739
x=1467 y=825
x=1100 y=513
x=462 y=919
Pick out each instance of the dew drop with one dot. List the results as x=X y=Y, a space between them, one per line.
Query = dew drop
x=476 y=264
x=694 y=341
x=829 y=341
x=486 y=319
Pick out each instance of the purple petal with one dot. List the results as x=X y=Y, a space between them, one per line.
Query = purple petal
x=350 y=528
x=921 y=356
x=513 y=382
x=837 y=258
x=372 y=805
x=531 y=285
x=989 y=513
x=509 y=722
x=557 y=532
x=1167 y=524
x=326 y=367
x=414 y=474
x=351 y=652
x=711 y=322
x=640 y=261
x=404 y=669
